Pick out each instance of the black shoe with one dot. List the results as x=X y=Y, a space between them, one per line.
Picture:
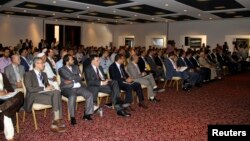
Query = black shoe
x=186 y=89
x=154 y=100
x=198 y=85
x=143 y=105
x=123 y=113
x=73 y=120
x=87 y=117
x=109 y=105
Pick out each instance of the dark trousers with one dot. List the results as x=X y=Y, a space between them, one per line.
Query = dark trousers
x=128 y=88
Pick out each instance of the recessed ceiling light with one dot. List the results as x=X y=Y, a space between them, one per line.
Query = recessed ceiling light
x=152 y=18
x=219 y=7
x=54 y=14
x=34 y=18
x=135 y=15
x=30 y=5
x=238 y=16
x=98 y=19
x=9 y=12
x=136 y=7
x=68 y=10
x=202 y=0
x=93 y=13
x=231 y=12
x=78 y=16
x=56 y=20
x=166 y=4
x=24 y=11
x=87 y=7
x=185 y=10
x=199 y=15
x=54 y=2
x=116 y=21
x=110 y=2
x=210 y=18
x=114 y=11
x=159 y=13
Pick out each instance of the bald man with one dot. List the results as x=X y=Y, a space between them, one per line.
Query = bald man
x=15 y=72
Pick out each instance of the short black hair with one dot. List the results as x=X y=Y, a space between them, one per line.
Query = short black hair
x=22 y=50
x=66 y=59
x=118 y=56
x=92 y=57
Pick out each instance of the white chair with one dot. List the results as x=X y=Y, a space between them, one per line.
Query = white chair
x=177 y=80
x=36 y=107
x=65 y=99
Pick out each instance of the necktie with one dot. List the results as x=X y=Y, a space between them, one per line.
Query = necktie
x=123 y=75
x=97 y=73
x=41 y=77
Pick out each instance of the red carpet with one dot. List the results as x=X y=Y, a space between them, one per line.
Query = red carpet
x=179 y=116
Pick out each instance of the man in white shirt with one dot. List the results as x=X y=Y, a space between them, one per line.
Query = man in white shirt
x=105 y=61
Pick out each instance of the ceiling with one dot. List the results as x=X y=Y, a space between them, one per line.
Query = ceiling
x=127 y=11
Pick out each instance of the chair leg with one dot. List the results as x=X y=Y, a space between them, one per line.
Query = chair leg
x=165 y=84
x=45 y=111
x=17 y=123
x=107 y=99
x=99 y=100
x=24 y=114
x=34 y=118
x=170 y=83
x=68 y=111
x=177 y=85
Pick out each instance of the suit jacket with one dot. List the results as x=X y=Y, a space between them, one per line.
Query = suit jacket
x=203 y=62
x=10 y=73
x=181 y=63
x=171 y=72
x=25 y=64
x=66 y=74
x=115 y=73
x=33 y=88
x=158 y=61
x=189 y=63
x=152 y=63
x=132 y=71
x=194 y=62
x=141 y=64
x=91 y=76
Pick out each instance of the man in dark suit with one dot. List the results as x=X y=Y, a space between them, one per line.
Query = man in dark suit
x=172 y=71
x=157 y=70
x=50 y=60
x=126 y=83
x=97 y=82
x=8 y=107
x=40 y=91
x=24 y=53
x=72 y=86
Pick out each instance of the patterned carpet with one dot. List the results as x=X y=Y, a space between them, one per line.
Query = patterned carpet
x=180 y=116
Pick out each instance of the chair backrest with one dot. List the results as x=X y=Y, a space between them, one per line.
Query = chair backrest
x=85 y=81
x=81 y=68
x=24 y=89
x=58 y=79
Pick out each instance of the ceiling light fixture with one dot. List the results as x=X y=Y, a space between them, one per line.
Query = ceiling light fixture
x=54 y=2
x=110 y=2
x=30 y=5
x=210 y=18
x=114 y=11
x=166 y=4
x=87 y=7
x=24 y=11
x=53 y=14
x=185 y=10
x=152 y=18
x=219 y=7
x=135 y=15
x=78 y=16
x=199 y=15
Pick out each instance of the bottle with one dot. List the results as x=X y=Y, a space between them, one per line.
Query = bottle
x=101 y=112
